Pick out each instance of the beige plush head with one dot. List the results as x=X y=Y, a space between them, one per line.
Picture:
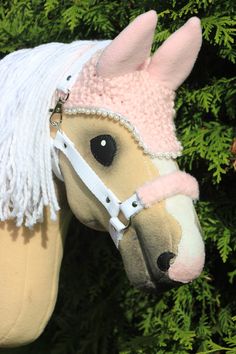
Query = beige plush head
x=120 y=116
x=131 y=148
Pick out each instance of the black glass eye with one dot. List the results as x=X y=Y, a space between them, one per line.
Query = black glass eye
x=103 y=148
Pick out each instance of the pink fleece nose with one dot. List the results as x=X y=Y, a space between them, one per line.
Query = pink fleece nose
x=166 y=186
x=186 y=270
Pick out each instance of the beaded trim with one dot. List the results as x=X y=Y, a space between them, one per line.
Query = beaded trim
x=123 y=121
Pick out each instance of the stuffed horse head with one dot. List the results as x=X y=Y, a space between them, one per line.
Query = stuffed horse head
x=124 y=99
x=113 y=145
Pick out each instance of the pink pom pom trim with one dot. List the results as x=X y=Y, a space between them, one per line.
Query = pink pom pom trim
x=166 y=186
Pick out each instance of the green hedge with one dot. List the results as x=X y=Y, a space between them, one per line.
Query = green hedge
x=98 y=312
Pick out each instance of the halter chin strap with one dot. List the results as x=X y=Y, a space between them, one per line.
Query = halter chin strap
x=105 y=196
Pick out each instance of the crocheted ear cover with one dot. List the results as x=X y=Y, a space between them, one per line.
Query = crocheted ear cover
x=126 y=84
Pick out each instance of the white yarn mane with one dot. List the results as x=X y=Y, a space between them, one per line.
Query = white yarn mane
x=28 y=81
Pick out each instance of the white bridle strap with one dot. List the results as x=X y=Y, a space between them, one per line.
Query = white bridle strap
x=105 y=196
x=86 y=174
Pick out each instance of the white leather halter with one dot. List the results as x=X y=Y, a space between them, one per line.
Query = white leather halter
x=61 y=142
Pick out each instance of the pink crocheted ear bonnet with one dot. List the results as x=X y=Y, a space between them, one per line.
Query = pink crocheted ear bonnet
x=125 y=83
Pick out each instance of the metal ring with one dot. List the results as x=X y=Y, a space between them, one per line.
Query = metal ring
x=54 y=123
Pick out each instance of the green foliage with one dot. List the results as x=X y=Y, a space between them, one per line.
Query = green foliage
x=98 y=312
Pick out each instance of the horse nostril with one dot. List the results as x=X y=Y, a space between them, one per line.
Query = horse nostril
x=163 y=261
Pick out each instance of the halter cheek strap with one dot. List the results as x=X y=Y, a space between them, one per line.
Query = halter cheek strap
x=105 y=196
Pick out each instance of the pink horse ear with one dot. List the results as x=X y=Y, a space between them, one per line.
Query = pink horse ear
x=173 y=61
x=129 y=50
